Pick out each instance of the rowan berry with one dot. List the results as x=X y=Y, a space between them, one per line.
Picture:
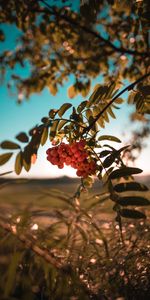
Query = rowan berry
x=73 y=154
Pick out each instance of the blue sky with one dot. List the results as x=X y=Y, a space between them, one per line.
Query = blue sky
x=15 y=118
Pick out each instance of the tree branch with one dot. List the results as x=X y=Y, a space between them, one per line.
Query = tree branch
x=128 y=88
x=29 y=244
x=68 y=19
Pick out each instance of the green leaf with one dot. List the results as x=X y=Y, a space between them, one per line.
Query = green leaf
x=64 y=108
x=5 y=157
x=125 y=171
x=133 y=214
x=18 y=163
x=9 y=145
x=109 y=138
x=22 y=137
x=130 y=186
x=44 y=136
x=133 y=200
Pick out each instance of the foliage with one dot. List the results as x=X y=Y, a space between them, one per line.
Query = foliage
x=61 y=38
x=84 y=125
x=61 y=41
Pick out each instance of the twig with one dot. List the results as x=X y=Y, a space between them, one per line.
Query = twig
x=29 y=244
x=128 y=88
x=92 y=32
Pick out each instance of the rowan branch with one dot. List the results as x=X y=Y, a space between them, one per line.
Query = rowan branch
x=128 y=88
x=69 y=20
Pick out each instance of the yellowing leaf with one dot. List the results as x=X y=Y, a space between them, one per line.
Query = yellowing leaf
x=64 y=108
x=109 y=138
x=119 y=100
x=71 y=92
x=53 y=89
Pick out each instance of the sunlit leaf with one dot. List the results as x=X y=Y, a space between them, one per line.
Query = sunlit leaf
x=61 y=124
x=110 y=111
x=63 y=109
x=81 y=106
x=71 y=92
x=109 y=138
x=119 y=101
x=53 y=89
x=110 y=90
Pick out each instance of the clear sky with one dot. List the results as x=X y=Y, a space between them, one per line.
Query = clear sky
x=15 y=118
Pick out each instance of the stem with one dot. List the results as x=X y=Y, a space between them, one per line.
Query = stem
x=128 y=88
x=69 y=121
x=92 y=32
x=94 y=152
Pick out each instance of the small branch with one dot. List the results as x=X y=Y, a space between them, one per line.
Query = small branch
x=71 y=121
x=128 y=88
x=68 y=19
x=29 y=244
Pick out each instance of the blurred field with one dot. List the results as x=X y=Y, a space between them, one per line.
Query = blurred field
x=48 y=195
x=45 y=196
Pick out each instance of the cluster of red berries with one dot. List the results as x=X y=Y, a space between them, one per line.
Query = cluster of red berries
x=73 y=154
